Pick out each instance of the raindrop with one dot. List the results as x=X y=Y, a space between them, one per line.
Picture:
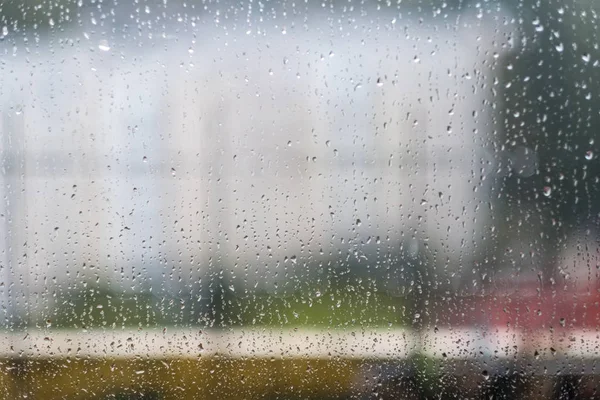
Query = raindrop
x=547 y=191
x=589 y=155
x=103 y=45
x=586 y=57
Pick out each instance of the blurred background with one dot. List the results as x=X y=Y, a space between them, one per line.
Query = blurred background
x=341 y=199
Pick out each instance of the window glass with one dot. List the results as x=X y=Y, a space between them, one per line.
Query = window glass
x=291 y=200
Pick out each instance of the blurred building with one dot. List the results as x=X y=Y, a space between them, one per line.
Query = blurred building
x=149 y=149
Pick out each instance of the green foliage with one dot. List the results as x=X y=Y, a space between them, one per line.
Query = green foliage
x=102 y=307
x=335 y=307
x=350 y=303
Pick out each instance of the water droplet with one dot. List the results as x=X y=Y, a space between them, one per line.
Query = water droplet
x=173 y=172
x=191 y=51
x=4 y=30
x=358 y=222
x=547 y=191
x=585 y=57
x=103 y=45
x=485 y=374
x=589 y=155
x=560 y=47
x=562 y=322
x=145 y=159
x=379 y=82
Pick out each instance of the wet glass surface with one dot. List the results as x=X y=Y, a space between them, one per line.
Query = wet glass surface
x=291 y=200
